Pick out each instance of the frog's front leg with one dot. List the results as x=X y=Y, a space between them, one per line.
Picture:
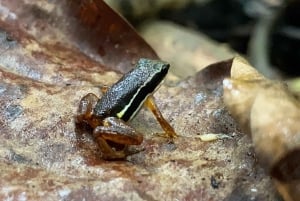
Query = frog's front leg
x=117 y=131
x=151 y=105
x=85 y=110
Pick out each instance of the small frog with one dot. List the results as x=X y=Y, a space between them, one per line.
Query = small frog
x=119 y=104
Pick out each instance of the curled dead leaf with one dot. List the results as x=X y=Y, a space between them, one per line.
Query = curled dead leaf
x=270 y=112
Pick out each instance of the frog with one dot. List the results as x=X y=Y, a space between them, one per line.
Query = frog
x=109 y=115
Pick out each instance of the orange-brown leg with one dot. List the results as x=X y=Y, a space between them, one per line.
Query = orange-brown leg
x=150 y=104
x=107 y=152
x=117 y=131
x=85 y=110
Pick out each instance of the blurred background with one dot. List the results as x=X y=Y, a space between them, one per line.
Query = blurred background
x=266 y=32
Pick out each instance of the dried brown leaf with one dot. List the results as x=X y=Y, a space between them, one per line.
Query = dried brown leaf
x=268 y=111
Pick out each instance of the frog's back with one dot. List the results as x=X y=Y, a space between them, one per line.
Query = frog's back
x=124 y=98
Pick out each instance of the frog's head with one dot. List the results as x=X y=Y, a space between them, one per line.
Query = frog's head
x=155 y=70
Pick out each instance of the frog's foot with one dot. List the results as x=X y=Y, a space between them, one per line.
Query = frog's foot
x=133 y=151
x=170 y=133
x=165 y=135
x=108 y=153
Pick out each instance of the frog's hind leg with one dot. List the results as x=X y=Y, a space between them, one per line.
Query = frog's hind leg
x=108 y=153
x=118 y=132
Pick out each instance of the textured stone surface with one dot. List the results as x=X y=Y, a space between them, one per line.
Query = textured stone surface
x=44 y=72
